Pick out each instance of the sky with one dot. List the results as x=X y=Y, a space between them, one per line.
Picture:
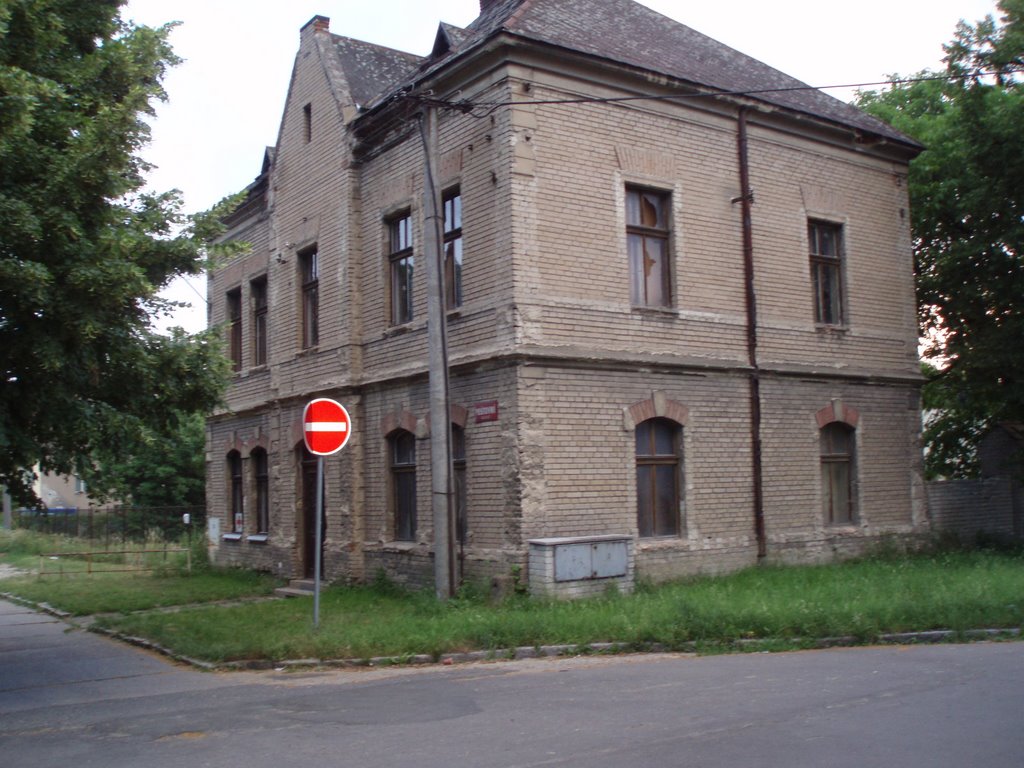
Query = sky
x=227 y=96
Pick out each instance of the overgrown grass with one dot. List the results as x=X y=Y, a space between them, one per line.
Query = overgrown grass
x=164 y=583
x=958 y=591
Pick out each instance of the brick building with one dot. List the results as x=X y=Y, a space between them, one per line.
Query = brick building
x=680 y=305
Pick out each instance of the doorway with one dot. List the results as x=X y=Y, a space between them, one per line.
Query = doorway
x=307 y=518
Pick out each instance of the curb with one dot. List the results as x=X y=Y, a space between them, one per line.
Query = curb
x=745 y=645
x=762 y=645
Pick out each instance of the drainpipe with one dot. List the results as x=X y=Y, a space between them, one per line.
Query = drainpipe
x=746 y=200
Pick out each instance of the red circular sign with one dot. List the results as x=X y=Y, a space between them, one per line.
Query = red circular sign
x=325 y=426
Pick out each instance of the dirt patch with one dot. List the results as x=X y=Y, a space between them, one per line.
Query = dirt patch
x=10 y=572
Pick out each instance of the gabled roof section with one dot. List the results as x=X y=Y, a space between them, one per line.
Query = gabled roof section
x=626 y=32
x=448 y=37
x=372 y=70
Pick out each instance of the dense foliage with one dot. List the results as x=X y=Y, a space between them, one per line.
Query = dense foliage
x=967 y=196
x=83 y=250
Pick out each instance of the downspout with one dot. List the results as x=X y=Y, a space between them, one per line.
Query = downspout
x=746 y=201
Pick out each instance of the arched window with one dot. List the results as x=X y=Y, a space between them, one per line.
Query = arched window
x=659 y=477
x=402 y=447
x=459 y=481
x=235 y=491
x=837 y=472
x=261 y=476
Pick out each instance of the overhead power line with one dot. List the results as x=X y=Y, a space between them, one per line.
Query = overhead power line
x=483 y=109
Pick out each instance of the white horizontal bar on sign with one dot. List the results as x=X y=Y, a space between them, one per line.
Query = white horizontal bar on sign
x=327 y=426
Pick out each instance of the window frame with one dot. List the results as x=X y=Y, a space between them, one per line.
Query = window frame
x=403 y=484
x=261 y=480
x=453 y=247
x=236 y=491
x=827 y=273
x=832 y=457
x=309 y=277
x=401 y=264
x=661 y=232
x=459 y=479
x=260 y=310
x=233 y=310
x=647 y=464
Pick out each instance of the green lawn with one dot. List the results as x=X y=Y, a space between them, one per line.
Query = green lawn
x=79 y=594
x=789 y=606
x=957 y=591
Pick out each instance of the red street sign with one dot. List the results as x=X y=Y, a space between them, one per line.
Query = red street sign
x=325 y=426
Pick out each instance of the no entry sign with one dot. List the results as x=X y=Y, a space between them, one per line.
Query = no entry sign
x=325 y=426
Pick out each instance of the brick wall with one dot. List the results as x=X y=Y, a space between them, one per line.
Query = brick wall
x=547 y=329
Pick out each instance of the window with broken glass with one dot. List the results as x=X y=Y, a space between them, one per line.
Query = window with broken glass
x=647 y=238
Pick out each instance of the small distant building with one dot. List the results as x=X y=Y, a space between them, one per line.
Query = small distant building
x=680 y=298
x=61 y=491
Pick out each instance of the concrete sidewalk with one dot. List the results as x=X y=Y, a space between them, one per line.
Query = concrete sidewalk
x=46 y=662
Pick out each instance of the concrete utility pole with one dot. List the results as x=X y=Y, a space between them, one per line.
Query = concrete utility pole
x=437 y=330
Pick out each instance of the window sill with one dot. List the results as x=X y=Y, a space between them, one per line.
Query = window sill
x=260 y=538
x=667 y=312
x=837 y=330
x=397 y=330
x=259 y=368
x=231 y=537
x=400 y=546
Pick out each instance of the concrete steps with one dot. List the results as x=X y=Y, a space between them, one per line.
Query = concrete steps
x=297 y=588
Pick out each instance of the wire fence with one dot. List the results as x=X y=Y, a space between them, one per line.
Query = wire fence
x=113 y=525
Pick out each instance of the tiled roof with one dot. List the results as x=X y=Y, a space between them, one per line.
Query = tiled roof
x=372 y=70
x=625 y=32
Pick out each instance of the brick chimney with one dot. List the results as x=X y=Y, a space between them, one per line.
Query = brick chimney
x=318 y=24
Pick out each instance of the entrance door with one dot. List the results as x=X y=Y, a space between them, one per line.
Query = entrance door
x=307 y=535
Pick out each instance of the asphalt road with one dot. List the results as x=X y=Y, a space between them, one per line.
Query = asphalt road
x=69 y=698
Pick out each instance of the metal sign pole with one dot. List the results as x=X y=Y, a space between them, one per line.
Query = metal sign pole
x=319 y=539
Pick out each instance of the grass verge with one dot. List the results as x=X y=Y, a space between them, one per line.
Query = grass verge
x=956 y=590
x=167 y=584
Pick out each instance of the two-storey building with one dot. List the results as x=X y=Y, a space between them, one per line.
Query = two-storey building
x=680 y=304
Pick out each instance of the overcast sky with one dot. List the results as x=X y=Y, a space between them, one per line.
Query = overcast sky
x=226 y=98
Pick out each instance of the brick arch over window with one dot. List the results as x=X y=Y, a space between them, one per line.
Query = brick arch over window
x=837 y=411
x=657 y=406
x=457 y=414
x=399 y=420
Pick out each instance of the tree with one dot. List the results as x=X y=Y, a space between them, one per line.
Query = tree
x=967 y=201
x=83 y=250
x=155 y=470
